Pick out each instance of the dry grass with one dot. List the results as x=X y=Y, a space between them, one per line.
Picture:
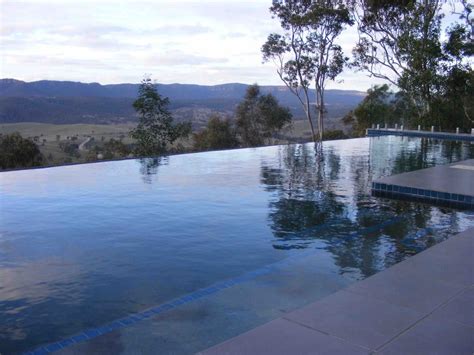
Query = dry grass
x=49 y=131
x=48 y=142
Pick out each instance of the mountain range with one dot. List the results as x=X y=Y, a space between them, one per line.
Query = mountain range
x=65 y=102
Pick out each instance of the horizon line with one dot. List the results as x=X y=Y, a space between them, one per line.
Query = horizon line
x=174 y=83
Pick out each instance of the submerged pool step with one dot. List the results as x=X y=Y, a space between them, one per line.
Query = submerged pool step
x=132 y=319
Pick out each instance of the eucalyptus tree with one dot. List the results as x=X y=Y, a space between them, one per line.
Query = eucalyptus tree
x=155 y=130
x=399 y=41
x=18 y=152
x=307 y=53
x=376 y=105
x=218 y=134
x=458 y=79
x=259 y=117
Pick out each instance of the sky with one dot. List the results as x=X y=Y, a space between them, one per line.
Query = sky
x=190 y=42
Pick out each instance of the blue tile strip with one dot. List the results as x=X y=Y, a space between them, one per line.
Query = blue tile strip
x=132 y=319
x=423 y=195
x=423 y=134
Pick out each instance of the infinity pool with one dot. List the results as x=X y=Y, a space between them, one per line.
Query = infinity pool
x=82 y=246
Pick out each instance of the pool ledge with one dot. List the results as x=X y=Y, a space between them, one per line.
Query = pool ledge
x=421 y=305
x=374 y=132
x=451 y=184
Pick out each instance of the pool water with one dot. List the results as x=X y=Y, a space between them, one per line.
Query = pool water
x=84 y=245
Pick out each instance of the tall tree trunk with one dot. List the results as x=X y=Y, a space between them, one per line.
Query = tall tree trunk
x=320 y=106
x=308 y=116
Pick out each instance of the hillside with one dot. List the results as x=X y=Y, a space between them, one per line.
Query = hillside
x=64 y=102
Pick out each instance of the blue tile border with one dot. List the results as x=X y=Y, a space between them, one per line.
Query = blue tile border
x=132 y=319
x=423 y=195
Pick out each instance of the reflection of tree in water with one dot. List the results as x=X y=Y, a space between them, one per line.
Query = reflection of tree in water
x=149 y=167
x=431 y=152
x=303 y=202
x=328 y=200
x=408 y=237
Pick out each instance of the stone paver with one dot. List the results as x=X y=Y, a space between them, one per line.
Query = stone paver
x=459 y=309
x=362 y=320
x=423 y=305
x=284 y=337
x=433 y=336
x=419 y=292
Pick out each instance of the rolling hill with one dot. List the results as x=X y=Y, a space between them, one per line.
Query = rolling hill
x=65 y=102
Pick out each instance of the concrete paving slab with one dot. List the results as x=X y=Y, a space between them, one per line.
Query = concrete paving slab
x=419 y=292
x=361 y=320
x=459 y=309
x=454 y=271
x=284 y=337
x=433 y=336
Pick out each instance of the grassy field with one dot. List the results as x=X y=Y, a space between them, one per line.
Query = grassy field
x=299 y=131
x=50 y=131
x=49 y=137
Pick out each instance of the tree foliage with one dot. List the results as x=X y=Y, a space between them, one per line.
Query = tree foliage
x=259 y=117
x=401 y=42
x=218 y=134
x=334 y=134
x=18 y=152
x=456 y=100
x=71 y=149
x=380 y=106
x=307 y=52
x=115 y=148
x=156 y=129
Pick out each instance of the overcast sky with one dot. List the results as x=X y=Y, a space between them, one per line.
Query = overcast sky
x=198 y=42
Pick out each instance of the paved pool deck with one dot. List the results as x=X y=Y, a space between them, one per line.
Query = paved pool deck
x=423 y=305
x=451 y=184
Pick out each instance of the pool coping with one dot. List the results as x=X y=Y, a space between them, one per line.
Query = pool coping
x=416 y=306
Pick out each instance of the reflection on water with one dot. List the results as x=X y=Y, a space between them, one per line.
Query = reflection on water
x=149 y=167
x=326 y=200
x=83 y=245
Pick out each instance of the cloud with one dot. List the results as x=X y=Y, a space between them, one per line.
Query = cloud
x=61 y=61
x=234 y=35
x=179 y=58
x=178 y=30
x=191 y=41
